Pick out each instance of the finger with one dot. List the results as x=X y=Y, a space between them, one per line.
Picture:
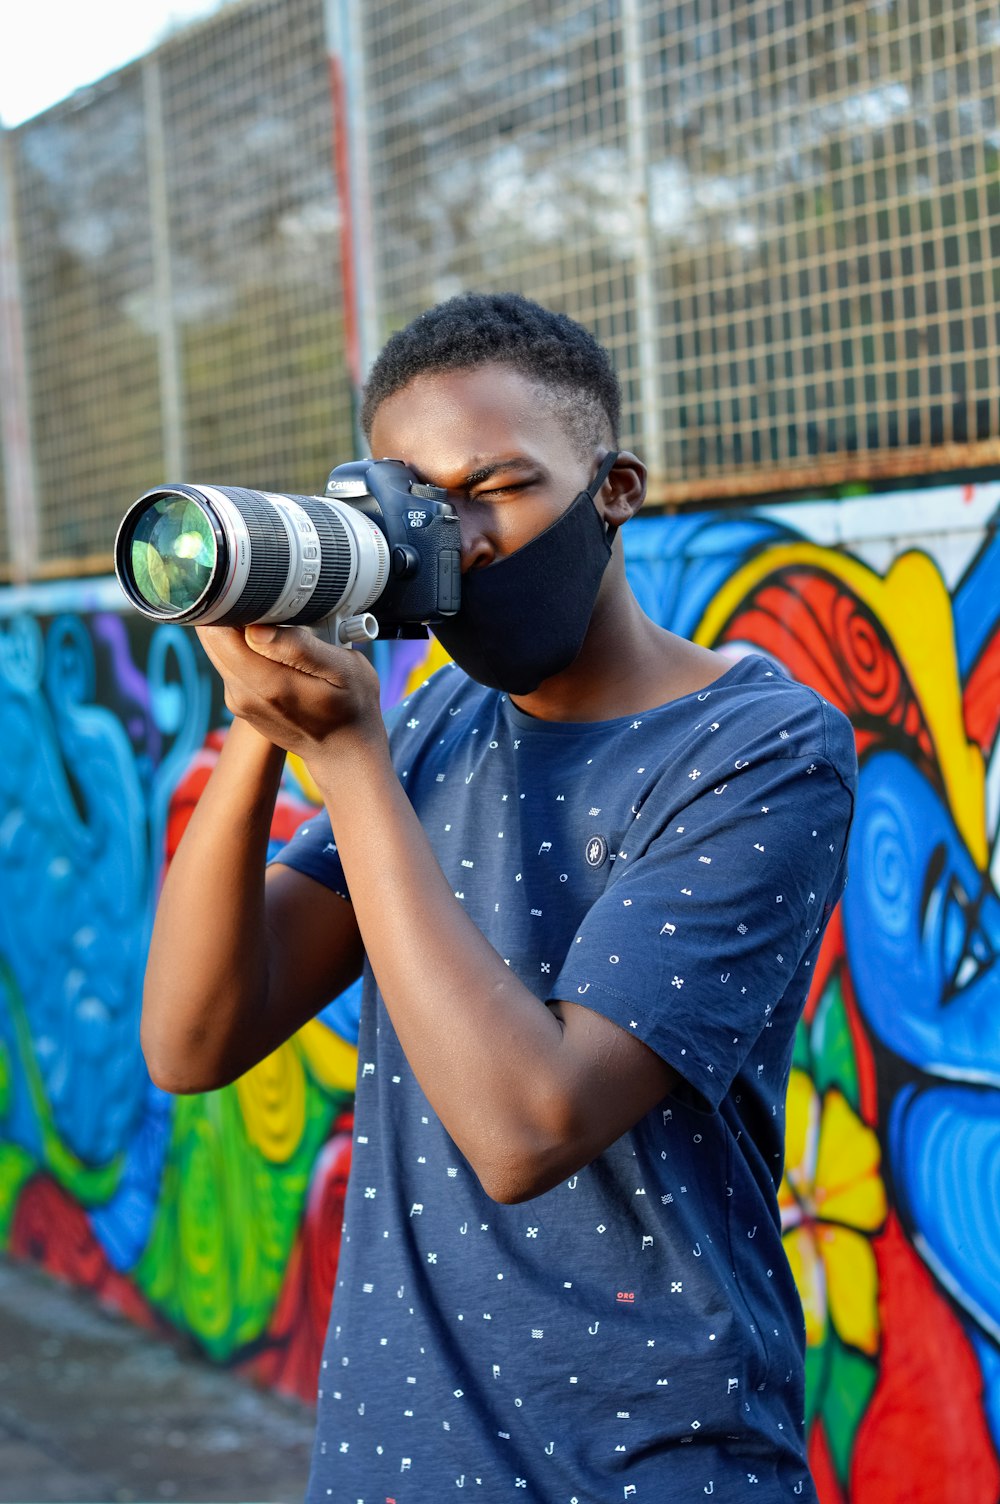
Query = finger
x=225 y=648
x=295 y=647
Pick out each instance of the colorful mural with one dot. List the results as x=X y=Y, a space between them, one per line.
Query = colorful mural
x=218 y=1216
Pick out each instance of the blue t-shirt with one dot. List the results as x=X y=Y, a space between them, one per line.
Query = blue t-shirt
x=635 y=1332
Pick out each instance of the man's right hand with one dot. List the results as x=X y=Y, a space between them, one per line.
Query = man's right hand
x=297 y=691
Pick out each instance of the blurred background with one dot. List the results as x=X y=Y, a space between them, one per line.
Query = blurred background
x=782 y=217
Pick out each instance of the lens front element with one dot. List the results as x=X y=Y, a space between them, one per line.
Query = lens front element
x=173 y=554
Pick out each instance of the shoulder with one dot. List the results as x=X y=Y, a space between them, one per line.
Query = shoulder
x=778 y=717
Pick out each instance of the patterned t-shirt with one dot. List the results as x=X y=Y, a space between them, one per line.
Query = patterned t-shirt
x=635 y=1332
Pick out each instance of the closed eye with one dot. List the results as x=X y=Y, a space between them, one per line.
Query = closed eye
x=491 y=480
x=504 y=490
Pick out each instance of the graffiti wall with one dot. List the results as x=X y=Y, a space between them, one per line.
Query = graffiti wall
x=218 y=1216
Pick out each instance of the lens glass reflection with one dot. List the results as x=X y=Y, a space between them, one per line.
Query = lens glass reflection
x=173 y=554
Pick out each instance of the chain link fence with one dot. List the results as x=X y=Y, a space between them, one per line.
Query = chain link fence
x=782 y=217
x=179 y=277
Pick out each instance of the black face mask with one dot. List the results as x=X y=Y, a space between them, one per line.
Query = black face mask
x=524 y=618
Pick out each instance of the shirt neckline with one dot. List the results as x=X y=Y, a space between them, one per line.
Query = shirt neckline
x=525 y=722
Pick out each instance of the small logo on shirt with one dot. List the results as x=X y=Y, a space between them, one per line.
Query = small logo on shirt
x=596 y=851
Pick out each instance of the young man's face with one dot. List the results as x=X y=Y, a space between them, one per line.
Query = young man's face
x=488 y=434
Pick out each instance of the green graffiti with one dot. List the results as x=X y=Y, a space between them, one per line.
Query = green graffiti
x=839 y=1386
x=5 y=1080
x=91 y=1185
x=839 y=1377
x=832 y=1048
x=16 y=1166
x=850 y=1380
x=817 y=1372
x=202 y=1268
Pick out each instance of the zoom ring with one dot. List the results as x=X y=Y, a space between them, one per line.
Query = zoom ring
x=335 y=555
x=269 y=551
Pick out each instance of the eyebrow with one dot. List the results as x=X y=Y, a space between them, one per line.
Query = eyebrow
x=495 y=467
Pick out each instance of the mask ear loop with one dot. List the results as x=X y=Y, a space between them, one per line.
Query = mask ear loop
x=606 y=467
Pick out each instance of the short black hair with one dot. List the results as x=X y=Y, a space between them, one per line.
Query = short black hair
x=504 y=328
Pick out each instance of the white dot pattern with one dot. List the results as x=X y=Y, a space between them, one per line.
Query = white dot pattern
x=635 y=1332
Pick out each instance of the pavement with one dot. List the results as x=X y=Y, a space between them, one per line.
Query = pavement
x=94 y=1410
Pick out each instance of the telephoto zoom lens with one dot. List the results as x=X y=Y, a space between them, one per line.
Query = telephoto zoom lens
x=226 y=556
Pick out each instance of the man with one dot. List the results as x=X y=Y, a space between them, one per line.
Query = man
x=587 y=886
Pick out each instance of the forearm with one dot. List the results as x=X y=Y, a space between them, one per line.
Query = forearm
x=529 y=1092
x=486 y=1051
x=207 y=973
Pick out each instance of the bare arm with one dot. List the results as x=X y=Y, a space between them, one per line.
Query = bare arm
x=529 y=1093
x=238 y=961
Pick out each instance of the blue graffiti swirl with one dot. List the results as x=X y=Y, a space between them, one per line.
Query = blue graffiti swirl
x=73 y=880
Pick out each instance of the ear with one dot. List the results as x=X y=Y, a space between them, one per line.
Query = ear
x=624 y=491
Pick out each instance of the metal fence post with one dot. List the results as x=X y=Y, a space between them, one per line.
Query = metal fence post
x=345 y=46
x=168 y=356
x=645 y=288
x=15 y=405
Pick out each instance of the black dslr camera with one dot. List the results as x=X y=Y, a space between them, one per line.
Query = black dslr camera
x=378 y=555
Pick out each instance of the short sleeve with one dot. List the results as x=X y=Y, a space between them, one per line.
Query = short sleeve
x=313 y=852
x=702 y=937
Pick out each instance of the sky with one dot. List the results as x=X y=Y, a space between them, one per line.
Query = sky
x=49 y=48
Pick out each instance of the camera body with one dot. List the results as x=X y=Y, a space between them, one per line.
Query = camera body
x=378 y=555
x=420 y=526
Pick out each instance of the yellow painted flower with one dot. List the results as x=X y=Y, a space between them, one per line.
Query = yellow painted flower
x=832 y=1199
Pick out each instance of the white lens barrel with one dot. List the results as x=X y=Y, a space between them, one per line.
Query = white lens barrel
x=282 y=559
x=370 y=558
x=304 y=558
x=368 y=566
